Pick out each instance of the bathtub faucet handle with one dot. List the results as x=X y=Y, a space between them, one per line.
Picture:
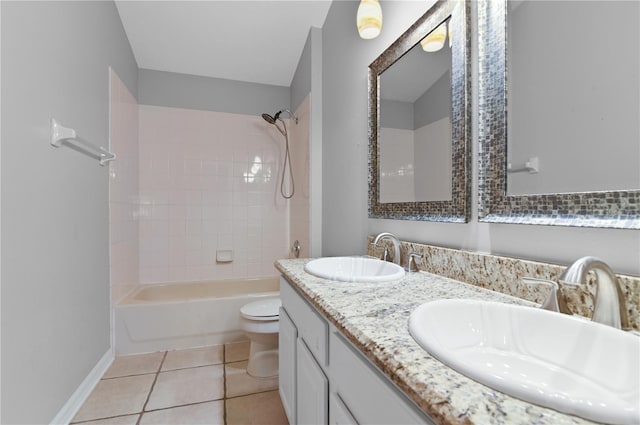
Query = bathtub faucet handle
x=296 y=248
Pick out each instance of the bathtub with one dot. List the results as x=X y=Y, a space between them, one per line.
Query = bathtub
x=184 y=315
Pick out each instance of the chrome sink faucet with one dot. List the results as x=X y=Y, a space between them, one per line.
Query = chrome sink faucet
x=394 y=240
x=609 y=306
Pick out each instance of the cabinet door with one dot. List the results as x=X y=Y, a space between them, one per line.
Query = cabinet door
x=287 y=365
x=312 y=403
x=338 y=412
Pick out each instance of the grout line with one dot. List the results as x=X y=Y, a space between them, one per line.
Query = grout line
x=193 y=367
x=152 y=387
x=128 y=376
x=101 y=419
x=246 y=395
x=224 y=383
x=195 y=403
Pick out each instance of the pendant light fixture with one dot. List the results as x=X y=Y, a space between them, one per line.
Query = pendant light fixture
x=434 y=41
x=369 y=19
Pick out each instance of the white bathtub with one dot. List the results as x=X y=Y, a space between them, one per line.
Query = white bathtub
x=184 y=315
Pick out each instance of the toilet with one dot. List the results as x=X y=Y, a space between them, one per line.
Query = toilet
x=260 y=322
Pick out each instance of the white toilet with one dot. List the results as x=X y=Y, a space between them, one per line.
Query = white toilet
x=260 y=322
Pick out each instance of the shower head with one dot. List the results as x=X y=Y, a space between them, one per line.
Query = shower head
x=268 y=118
x=272 y=119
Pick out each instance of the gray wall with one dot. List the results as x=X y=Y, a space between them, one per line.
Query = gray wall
x=307 y=81
x=585 y=89
x=301 y=82
x=432 y=106
x=435 y=103
x=396 y=114
x=315 y=144
x=346 y=225
x=55 y=224
x=171 y=89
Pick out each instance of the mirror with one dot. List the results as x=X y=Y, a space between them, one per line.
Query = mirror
x=419 y=117
x=567 y=149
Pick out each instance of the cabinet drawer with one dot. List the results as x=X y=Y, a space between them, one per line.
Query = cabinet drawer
x=312 y=328
x=369 y=396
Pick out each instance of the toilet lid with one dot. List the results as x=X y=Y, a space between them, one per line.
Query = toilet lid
x=268 y=309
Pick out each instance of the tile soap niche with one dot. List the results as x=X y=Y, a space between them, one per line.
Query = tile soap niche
x=224 y=256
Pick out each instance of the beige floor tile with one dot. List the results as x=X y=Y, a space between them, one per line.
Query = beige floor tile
x=240 y=383
x=187 y=386
x=117 y=396
x=138 y=364
x=256 y=409
x=118 y=420
x=211 y=413
x=204 y=356
x=236 y=351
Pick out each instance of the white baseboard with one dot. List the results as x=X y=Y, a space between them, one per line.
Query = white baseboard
x=77 y=399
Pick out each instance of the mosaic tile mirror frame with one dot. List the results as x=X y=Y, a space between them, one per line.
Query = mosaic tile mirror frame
x=612 y=209
x=457 y=209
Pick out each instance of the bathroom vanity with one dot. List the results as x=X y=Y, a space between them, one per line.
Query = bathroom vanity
x=323 y=377
x=346 y=356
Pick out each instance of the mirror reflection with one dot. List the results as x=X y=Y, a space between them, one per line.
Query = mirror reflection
x=572 y=96
x=415 y=134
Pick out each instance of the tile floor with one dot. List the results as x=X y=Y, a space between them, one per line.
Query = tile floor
x=208 y=385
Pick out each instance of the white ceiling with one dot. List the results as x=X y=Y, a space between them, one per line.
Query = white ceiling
x=255 y=41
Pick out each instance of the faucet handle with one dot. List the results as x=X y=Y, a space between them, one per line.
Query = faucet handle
x=412 y=260
x=385 y=252
x=556 y=299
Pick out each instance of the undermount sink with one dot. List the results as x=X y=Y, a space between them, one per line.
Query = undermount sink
x=354 y=269
x=566 y=363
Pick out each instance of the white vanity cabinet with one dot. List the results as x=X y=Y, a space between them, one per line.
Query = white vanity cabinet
x=303 y=347
x=325 y=379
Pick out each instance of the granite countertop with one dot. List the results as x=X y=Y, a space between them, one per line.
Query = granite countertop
x=374 y=317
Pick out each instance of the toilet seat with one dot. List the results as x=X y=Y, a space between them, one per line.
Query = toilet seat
x=268 y=309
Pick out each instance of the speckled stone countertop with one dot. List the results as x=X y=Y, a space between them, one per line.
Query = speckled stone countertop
x=374 y=317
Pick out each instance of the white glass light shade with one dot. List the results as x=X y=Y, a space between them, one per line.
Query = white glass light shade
x=369 y=19
x=435 y=40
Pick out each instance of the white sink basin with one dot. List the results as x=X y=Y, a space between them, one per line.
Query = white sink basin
x=354 y=269
x=550 y=359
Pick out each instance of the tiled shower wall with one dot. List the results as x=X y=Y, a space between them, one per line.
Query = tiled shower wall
x=123 y=190
x=209 y=181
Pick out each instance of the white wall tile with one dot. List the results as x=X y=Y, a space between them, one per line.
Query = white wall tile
x=207 y=181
